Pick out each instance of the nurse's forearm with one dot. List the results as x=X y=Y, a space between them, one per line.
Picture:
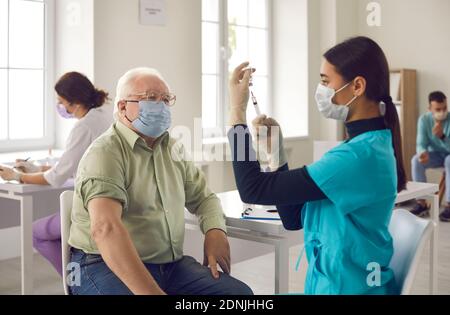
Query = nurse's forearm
x=278 y=188
x=290 y=215
x=35 y=179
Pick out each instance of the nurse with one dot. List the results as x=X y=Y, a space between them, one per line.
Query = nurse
x=77 y=99
x=344 y=201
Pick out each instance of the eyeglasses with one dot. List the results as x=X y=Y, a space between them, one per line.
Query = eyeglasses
x=169 y=99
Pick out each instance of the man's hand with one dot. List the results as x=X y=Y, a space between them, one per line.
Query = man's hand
x=424 y=158
x=217 y=250
x=9 y=174
x=438 y=130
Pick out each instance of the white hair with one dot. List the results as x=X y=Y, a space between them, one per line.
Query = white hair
x=124 y=84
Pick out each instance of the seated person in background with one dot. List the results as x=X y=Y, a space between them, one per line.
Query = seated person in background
x=433 y=149
x=78 y=99
x=132 y=187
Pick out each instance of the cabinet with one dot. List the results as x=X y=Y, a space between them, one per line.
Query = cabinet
x=404 y=94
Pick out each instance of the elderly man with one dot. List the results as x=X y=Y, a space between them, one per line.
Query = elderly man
x=127 y=228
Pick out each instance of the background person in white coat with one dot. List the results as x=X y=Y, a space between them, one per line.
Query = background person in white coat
x=78 y=99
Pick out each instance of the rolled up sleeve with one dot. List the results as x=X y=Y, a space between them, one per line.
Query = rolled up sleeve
x=98 y=187
x=101 y=175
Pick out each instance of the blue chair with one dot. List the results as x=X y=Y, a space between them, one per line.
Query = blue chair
x=410 y=235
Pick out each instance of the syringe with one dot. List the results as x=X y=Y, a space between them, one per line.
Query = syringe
x=254 y=101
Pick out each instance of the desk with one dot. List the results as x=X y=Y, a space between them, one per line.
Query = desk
x=273 y=232
x=265 y=232
x=25 y=194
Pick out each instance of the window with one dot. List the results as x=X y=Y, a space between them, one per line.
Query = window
x=25 y=74
x=233 y=31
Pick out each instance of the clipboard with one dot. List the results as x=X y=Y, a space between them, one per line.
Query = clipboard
x=265 y=213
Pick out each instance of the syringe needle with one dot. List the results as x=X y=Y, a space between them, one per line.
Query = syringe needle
x=255 y=103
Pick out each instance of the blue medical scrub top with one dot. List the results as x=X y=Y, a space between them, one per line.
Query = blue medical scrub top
x=348 y=232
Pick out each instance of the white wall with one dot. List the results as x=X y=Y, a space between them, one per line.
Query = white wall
x=338 y=21
x=290 y=66
x=415 y=34
x=122 y=43
x=74 y=48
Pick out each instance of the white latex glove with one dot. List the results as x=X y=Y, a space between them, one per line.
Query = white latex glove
x=9 y=174
x=27 y=167
x=239 y=94
x=268 y=142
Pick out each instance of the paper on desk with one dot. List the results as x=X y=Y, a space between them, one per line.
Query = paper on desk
x=260 y=213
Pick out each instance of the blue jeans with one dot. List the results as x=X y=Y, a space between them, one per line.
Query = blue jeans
x=183 y=277
x=436 y=160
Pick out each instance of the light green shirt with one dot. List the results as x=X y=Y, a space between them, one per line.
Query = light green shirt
x=153 y=186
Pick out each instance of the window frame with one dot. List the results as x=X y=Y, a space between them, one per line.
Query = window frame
x=48 y=139
x=223 y=69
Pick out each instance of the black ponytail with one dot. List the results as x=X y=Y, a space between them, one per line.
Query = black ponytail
x=361 y=56
x=77 y=89
x=99 y=98
x=393 y=122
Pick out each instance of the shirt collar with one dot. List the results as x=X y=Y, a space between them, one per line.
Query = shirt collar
x=356 y=128
x=132 y=137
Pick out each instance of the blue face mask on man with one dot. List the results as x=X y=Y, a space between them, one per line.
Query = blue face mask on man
x=154 y=118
